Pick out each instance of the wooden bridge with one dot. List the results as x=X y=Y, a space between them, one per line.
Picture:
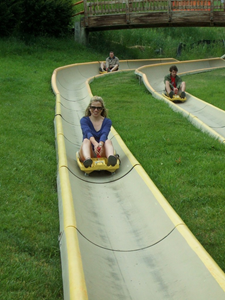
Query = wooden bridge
x=100 y=15
x=120 y=14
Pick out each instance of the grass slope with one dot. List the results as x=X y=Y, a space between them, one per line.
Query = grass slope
x=29 y=250
x=207 y=86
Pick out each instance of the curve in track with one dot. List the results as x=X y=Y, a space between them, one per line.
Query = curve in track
x=119 y=237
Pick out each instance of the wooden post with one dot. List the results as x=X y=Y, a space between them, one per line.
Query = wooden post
x=80 y=34
x=169 y=11
x=211 y=11
x=127 y=12
x=86 y=13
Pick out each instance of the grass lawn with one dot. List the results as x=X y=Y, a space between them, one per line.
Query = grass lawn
x=188 y=168
x=29 y=250
x=187 y=165
x=207 y=86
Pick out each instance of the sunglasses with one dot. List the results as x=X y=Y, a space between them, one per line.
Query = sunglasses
x=96 y=107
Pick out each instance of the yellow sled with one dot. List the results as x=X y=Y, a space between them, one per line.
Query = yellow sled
x=176 y=98
x=99 y=164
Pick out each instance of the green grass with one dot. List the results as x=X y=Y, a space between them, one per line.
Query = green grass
x=29 y=250
x=166 y=40
x=208 y=86
x=187 y=166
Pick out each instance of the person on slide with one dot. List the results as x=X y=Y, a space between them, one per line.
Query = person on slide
x=111 y=64
x=174 y=84
x=95 y=128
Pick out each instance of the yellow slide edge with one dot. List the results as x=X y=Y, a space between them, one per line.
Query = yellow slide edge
x=77 y=285
x=207 y=260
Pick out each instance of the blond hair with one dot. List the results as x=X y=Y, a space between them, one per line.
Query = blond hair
x=104 y=112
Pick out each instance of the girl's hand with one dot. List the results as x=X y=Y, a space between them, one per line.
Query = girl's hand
x=99 y=150
x=96 y=148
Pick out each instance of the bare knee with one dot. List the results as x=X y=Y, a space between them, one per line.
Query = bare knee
x=167 y=86
x=108 y=143
x=86 y=142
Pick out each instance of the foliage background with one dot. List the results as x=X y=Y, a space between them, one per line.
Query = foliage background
x=31 y=17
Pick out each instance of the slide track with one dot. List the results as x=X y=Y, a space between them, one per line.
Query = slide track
x=119 y=237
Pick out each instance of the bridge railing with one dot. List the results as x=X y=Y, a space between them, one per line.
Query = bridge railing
x=106 y=7
x=124 y=6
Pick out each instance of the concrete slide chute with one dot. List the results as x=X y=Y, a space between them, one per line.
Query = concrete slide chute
x=203 y=115
x=119 y=237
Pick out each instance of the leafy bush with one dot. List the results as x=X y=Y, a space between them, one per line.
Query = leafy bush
x=46 y=17
x=10 y=15
x=32 y=17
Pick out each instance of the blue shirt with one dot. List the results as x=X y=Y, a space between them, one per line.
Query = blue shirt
x=88 y=129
